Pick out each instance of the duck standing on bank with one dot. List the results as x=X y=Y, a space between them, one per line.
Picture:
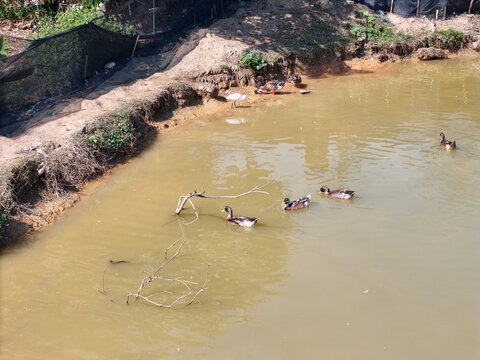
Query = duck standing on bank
x=270 y=87
x=447 y=144
x=295 y=80
x=338 y=194
x=296 y=204
x=243 y=221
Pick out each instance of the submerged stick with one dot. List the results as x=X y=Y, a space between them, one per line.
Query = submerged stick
x=184 y=198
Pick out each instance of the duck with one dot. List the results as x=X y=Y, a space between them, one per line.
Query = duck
x=259 y=81
x=270 y=87
x=295 y=79
x=243 y=221
x=296 y=204
x=236 y=97
x=338 y=194
x=447 y=144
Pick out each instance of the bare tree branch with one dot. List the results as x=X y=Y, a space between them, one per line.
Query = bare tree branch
x=203 y=287
x=184 y=198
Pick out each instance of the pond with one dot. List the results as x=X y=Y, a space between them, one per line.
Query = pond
x=391 y=274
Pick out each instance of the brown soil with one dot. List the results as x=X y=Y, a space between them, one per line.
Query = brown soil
x=269 y=25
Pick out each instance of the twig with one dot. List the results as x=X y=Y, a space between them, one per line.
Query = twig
x=168 y=248
x=184 y=198
x=203 y=286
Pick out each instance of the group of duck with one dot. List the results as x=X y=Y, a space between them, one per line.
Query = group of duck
x=266 y=87
x=290 y=205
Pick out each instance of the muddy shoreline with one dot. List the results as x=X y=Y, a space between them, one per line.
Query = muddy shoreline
x=43 y=182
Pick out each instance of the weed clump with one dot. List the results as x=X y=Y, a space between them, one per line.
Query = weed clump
x=372 y=29
x=112 y=135
x=253 y=60
x=448 y=39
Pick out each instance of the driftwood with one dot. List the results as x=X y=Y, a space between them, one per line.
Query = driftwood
x=184 y=198
x=185 y=283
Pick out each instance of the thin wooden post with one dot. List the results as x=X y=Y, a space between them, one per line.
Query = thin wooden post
x=436 y=14
x=153 y=17
x=445 y=12
x=85 y=72
x=135 y=46
x=391 y=6
x=470 y=7
x=418 y=6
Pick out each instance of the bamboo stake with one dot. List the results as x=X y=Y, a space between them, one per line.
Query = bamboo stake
x=470 y=7
x=391 y=6
x=135 y=46
x=445 y=12
x=418 y=6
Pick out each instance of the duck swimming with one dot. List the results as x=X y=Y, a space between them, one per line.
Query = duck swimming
x=243 y=221
x=296 y=204
x=338 y=194
x=447 y=144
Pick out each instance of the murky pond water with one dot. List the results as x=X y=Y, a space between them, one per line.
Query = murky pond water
x=393 y=274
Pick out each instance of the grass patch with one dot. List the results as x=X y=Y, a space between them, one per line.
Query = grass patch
x=372 y=29
x=448 y=39
x=54 y=23
x=253 y=60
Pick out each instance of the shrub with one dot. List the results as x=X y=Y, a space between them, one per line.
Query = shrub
x=253 y=60
x=19 y=10
x=448 y=39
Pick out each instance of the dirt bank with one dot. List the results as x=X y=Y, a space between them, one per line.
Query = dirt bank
x=59 y=148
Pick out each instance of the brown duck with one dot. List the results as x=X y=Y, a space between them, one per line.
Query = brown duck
x=296 y=204
x=447 y=144
x=338 y=194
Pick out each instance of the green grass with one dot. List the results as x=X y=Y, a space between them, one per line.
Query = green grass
x=50 y=24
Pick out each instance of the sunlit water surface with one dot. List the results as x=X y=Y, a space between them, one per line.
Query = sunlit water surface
x=393 y=274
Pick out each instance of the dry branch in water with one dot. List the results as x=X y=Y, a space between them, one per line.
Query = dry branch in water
x=185 y=283
x=184 y=198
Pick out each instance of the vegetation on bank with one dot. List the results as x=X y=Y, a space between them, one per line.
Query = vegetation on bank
x=253 y=60
x=102 y=143
x=76 y=16
x=448 y=39
x=372 y=29
x=50 y=19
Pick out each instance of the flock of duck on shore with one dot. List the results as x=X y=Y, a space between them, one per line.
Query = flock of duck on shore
x=266 y=87
x=270 y=87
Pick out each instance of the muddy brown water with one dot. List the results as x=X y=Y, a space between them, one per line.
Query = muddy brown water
x=393 y=274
